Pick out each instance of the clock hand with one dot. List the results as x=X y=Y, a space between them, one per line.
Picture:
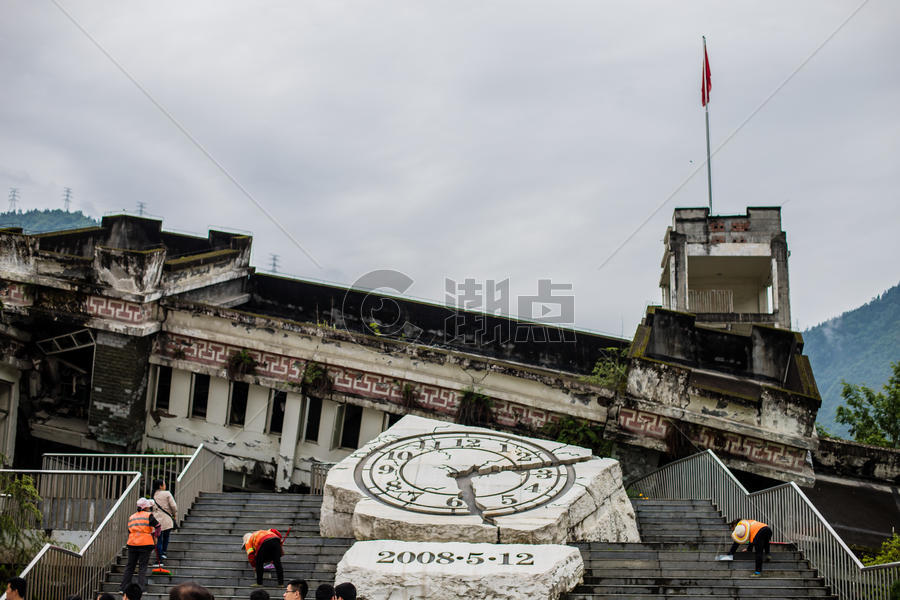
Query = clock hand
x=467 y=493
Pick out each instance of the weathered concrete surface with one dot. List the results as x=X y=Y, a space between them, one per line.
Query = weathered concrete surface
x=543 y=492
x=393 y=570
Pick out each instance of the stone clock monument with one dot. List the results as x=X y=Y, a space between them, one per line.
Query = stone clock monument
x=464 y=490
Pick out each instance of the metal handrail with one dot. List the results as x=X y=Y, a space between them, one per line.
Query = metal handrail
x=152 y=466
x=318 y=473
x=785 y=508
x=56 y=572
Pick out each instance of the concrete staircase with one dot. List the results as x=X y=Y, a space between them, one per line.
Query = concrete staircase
x=207 y=548
x=676 y=560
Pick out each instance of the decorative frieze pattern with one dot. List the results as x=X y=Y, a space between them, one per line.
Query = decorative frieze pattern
x=732 y=444
x=16 y=294
x=347 y=381
x=119 y=310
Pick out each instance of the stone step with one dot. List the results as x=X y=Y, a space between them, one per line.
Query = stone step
x=737 y=591
x=238 y=496
x=767 y=580
x=701 y=557
x=688 y=596
x=239 y=528
x=604 y=573
x=677 y=566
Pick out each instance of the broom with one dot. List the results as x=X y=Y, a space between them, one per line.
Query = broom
x=159 y=569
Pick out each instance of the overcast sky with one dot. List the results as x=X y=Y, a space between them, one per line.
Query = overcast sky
x=485 y=140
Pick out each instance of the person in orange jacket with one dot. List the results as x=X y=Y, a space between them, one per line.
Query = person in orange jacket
x=140 y=543
x=756 y=535
x=264 y=546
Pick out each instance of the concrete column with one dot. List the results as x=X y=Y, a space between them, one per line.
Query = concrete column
x=9 y=401
x=117 y=412
x=217 y=405
x=257 y=409
x=372 y=421
x=290 y=432
x=781 y=293
x=679 y=267
x=180 y=393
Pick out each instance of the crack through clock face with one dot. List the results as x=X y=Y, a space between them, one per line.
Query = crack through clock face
x=463 y=473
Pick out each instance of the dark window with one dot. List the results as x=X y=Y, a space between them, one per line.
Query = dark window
x=279 y=399
x=313 y=416
x=199 y=395
x=163 y=387
x=393 y=418
x=239 y=391
x=352 y=423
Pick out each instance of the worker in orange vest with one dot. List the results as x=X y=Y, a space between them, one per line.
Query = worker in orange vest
x=140 y=543
x=756 y=535
x=264 y=546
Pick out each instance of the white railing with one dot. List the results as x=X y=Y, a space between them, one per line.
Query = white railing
x=318 y=472
x=71 y=500
x=151 y=466
x=56 y=572
x=785 y=508
x=203 y=473
x=711 y=301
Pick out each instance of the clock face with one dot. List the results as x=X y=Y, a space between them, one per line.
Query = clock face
x=463 y=473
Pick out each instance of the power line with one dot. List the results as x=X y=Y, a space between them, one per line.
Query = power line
x=67 y=197
x=141 y=207
x=274 y=258
x=13 y=199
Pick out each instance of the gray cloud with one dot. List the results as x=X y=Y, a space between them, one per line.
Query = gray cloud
x=464 y=139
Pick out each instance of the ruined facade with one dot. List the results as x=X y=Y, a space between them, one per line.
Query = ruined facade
x=125 y=336
x=729 y=270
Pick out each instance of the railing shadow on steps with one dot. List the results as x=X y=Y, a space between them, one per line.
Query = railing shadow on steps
x=785 y=508
x=57 y=572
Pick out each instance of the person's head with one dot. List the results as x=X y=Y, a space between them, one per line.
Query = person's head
x=106 y=596
x=132 y=591
x=144 y=504
x=296 y=589
x=190 y=591
x=15 y=588
x=325 y=592
x=345 y=591
x=259 y=595
x=158 y=484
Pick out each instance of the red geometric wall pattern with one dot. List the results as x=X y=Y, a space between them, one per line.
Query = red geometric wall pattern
x=16 y=294
x=347 y=381
x=118 y=310
x=733 y=444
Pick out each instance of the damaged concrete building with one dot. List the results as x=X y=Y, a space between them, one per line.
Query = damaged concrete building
x=128 y=337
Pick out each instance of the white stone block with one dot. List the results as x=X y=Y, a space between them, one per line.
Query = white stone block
x=375 y=521
x=394 y=570
x=432 y=480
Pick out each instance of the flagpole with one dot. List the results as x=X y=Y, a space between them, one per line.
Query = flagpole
x=706 y=106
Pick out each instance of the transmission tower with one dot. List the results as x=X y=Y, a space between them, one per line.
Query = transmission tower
x=67 y=197
x=13 y=199
x=141 y=207
x=274 y=268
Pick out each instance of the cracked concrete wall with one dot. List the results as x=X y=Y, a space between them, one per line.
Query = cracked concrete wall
x=118 y=390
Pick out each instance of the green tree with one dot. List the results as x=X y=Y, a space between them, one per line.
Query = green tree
x=873 y=417
x=889 y=552
x=20 y=517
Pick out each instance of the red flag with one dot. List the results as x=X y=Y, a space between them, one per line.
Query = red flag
x=706 y=83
